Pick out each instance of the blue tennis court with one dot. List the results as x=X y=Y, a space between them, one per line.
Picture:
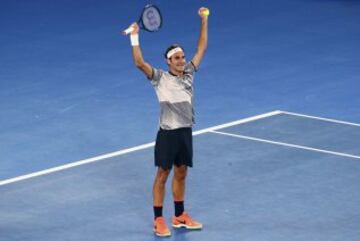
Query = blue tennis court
x=276 y=139
x=241 y=188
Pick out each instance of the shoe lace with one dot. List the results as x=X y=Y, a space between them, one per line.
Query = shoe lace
x=161 y=221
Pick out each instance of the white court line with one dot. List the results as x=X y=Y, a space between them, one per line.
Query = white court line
x=238 y=122
x=125 y=151
x=287 y=144
x=321 y=118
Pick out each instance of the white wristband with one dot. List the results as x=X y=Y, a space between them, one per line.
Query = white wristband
x=134 y=39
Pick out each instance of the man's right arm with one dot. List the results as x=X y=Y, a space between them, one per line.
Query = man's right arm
x=139 y=61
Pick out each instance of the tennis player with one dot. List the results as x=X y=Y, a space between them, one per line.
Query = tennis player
x=173 y=148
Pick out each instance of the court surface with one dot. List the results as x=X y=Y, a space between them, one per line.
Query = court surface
x=77 y=120
x=276 y=176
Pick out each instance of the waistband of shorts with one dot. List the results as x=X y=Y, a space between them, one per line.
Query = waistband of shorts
x=177 y=129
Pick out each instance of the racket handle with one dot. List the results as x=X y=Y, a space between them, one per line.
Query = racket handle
x=128 y=30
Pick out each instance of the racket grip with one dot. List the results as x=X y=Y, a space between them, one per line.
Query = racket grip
x=128 y=30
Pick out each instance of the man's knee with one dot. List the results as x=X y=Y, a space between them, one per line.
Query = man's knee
x=162 y=175
x=180 y=173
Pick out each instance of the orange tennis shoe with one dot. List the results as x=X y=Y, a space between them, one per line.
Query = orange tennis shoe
x=185 y=221
x=160 y=227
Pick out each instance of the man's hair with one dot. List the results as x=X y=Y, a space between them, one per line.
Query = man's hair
x=171 y=47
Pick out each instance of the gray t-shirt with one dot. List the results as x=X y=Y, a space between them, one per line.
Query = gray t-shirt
x=175 y=95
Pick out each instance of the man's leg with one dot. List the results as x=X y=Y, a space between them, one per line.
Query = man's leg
x=178 y=188
x=160 y=227
x=159 y=187
x=178 y=183
x=181 y=218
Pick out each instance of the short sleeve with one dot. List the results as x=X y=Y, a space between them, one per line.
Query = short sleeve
x=156 y=76
x=190 y=68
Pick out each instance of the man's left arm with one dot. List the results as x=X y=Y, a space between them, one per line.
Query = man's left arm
x=203 y=39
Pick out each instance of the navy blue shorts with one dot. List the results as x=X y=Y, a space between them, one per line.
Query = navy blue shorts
x=174 y=147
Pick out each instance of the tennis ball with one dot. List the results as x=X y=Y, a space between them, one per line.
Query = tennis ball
x=206 y=12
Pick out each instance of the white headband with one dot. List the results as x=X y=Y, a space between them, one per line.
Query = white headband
x=173 y=51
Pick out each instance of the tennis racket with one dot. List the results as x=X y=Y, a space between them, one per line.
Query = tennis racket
x=150 y=20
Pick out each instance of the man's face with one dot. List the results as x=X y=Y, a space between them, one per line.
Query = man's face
x=177 y=62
